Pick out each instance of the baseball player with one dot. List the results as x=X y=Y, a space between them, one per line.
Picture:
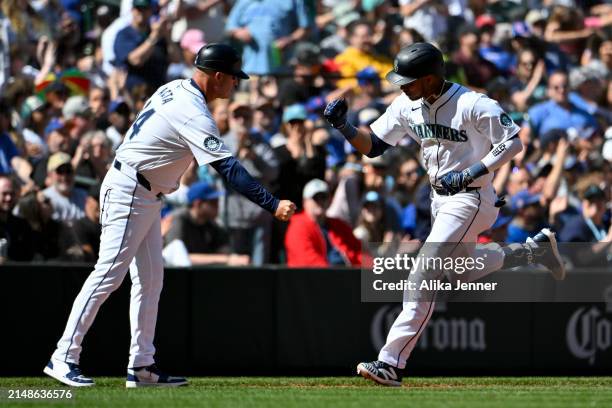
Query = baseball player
x=464 y=137
x=174 y=126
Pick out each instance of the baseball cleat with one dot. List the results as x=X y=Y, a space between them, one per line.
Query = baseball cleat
x=67 y=373
x=548 y=254
x=151 y=376
x=380 y=372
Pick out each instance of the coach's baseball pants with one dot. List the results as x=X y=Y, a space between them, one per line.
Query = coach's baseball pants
x=130 y=218
x=458 y=218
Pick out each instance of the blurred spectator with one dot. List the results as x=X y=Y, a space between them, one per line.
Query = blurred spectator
x=374 y=178
x=10 y=160
x=57 y=140
x=247 y=223
x=92 y=158
x=369 y=97
x=99 y=99
x=371 y=227
x=265 y=119
x=499 y=230
x=87 y=230
x=34 y=120
x=558 y=112
x=589 y=86
x=207 y=15
x=342 y=15
x=359 y=55
x=527 y=86
x=300 y=87
x=529 y=218
x=408 y=181
x=488 y=49
x=267 y=29
x=15 y=234
x=119 y=118
x=191 y=42
x=78 y=117
x=588 y=226
x=315 y=240
x=477 y=70
x=428 y=17
x=205 y=241
x=140 y=48
x=67 y=201
x=51 y=239
x=300 y=158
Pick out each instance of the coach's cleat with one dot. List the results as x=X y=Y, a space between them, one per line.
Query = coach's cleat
x=380 y=372
x=546 y=252
x=68 y=373
x=150 y=376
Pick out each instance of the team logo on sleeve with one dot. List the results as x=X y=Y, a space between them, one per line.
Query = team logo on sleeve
x=505 y=120
x=212 y=144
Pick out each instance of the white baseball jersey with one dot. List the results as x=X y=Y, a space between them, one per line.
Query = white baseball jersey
x=454 y=132
x=174 y=126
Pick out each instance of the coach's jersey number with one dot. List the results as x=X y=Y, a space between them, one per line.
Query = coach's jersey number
x=140 y=120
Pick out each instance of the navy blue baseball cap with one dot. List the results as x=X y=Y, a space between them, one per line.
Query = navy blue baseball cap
x=202 y=191
x=523 y=199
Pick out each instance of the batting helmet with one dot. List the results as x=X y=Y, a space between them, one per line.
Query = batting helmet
x=416 y=61
x=221 y=58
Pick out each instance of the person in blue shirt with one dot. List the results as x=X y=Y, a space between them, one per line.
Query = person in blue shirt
x=558 y=112
x=530 y=216
x=267 y=29
x=140 y=48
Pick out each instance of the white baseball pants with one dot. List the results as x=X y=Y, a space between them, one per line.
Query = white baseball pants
x=458 y=218
x=130 y=218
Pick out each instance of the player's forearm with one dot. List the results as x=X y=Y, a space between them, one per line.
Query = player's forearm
x=502 y=153
x=361 y=141
x=240 y=180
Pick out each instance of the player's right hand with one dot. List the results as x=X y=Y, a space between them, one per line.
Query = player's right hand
x=285 y=210
x=335 y=113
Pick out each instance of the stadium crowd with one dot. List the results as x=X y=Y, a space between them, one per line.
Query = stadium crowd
x=75 y=73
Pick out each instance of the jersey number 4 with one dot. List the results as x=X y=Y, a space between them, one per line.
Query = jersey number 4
x=140 y=120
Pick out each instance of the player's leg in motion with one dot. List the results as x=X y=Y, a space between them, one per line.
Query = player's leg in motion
x=147 y=273
x=127 y=213
x=456 y=219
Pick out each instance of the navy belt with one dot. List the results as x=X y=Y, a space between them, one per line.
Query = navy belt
x=442 y=191
x=142 y=180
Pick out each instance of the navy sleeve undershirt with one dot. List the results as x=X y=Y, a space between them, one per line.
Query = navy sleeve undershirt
x=378 y=146
x=241 y=181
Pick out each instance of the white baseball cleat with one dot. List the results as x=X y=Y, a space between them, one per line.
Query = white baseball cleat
x=67 y=373
x=380 y=372
x=151 y=376
x=547 y=253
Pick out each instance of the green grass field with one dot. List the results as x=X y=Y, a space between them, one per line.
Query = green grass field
x=523 y=392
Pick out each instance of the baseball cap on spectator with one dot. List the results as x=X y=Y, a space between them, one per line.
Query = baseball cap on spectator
x=345 y=14
x=193 y=40
x=593 y=193
x=119 y=106
x=367 y=116
x=367 y=75
x=534 y=17
x=294 y=112
x=369 y=5
x=484 y=20
x=552 y=136
x=524 y=199
x=77 y=105
x=141 y=3
x=202 y=190
x=30 y=105
x=371 y=197
x=502 y=220
x=53 y=125
x=57 y=160
x=520 y=29
x=314 y=187
x=307 y=54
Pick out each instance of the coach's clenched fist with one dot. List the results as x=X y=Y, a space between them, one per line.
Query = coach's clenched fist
x=285 y=210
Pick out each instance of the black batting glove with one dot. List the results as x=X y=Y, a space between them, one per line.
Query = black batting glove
x=335 y=113
x=456 y=181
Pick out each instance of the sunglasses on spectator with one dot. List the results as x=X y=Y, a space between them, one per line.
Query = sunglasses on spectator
x=296 y=122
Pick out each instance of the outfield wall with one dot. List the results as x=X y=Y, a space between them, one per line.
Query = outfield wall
x=274 y=321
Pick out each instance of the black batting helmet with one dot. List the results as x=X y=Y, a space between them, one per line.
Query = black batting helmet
x=221 y=58
x=416 y=61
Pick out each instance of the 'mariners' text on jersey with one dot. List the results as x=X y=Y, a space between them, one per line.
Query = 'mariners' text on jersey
x=436 y=131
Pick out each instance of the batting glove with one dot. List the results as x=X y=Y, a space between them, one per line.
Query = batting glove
x=456 y=181
x=335 y=113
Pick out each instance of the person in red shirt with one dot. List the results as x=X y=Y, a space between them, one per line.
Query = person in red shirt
x=315 y=240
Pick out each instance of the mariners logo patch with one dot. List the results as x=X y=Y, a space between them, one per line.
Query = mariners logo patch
x=212 y=144
x=505 y=120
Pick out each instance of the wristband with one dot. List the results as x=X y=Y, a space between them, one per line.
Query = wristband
x=348 y=131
